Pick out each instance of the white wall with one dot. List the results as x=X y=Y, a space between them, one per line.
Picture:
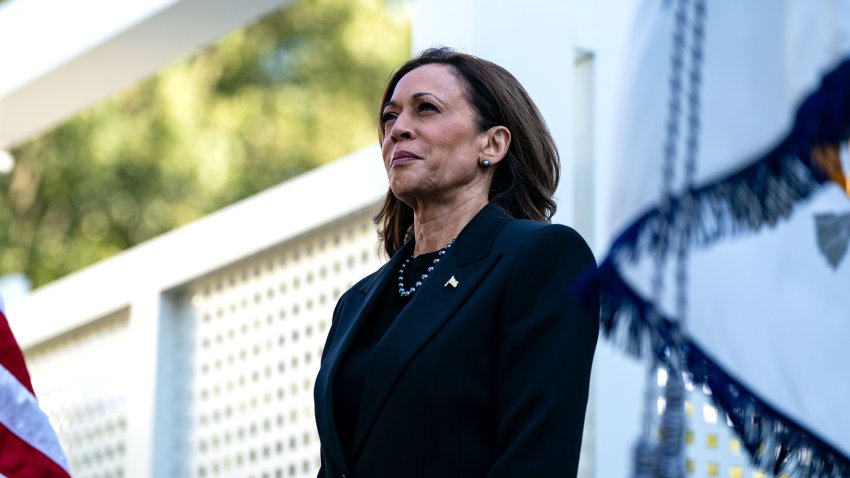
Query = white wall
x=117 y=350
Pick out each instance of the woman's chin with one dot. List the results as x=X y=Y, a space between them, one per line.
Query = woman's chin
x=403 y=187
x=403 y=195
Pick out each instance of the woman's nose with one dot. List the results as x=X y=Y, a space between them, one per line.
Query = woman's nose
x=401 y=129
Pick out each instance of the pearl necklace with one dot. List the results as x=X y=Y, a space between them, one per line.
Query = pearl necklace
x=412 y=290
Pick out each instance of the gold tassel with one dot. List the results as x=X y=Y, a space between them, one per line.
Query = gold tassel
x=827 y=158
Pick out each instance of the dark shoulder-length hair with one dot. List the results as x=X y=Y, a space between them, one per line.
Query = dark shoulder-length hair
x=526 y=178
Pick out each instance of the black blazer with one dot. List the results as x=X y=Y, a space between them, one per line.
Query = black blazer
x=486 y=379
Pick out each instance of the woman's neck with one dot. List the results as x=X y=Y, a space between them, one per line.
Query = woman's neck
x=435 y=225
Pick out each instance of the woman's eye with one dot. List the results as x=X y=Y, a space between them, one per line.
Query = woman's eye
x=388 y=117
x=425 y=106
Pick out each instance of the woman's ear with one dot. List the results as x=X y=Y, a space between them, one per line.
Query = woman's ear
x=497 y=142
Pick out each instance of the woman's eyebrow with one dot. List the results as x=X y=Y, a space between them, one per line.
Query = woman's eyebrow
x=415 y=96
x=420 y=95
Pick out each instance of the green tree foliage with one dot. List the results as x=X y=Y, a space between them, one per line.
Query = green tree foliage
x=295 y=90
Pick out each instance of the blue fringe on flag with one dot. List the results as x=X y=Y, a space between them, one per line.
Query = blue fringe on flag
x=760 y=194
x=775 y=442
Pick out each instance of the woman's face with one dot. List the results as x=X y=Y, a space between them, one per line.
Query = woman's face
x=431 y=139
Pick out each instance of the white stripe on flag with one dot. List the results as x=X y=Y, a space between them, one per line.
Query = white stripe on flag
x=20 y=413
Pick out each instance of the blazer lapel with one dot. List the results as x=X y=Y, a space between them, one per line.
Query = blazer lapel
x=356 y=308
x=468 y=261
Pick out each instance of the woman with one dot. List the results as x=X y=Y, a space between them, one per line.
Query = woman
x=466 y=355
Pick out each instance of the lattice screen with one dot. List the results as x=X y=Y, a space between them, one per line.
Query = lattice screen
x=257 y=333
x=711 y=447
x=80 y=380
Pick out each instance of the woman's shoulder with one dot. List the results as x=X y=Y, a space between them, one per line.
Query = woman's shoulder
x=539 y=243
x=525 y=233
x=554 y=251
x=363 y=284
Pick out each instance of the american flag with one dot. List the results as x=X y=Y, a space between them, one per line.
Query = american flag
x=29 y=447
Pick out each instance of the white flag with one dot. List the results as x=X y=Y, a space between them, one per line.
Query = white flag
x=731 y=215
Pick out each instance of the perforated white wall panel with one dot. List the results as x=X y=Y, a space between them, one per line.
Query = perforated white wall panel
x=81 y=382
x=257 y=330
x=711 y=446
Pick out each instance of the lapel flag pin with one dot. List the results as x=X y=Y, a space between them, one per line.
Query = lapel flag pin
x=452 y=282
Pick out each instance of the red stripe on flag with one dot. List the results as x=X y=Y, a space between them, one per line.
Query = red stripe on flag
x=11 y=356
x=19 y=460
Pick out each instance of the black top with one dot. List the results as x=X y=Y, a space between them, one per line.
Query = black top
x=484 y=375
x=353 y=368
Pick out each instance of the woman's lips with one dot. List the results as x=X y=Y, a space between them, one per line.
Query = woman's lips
x=403 y=157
